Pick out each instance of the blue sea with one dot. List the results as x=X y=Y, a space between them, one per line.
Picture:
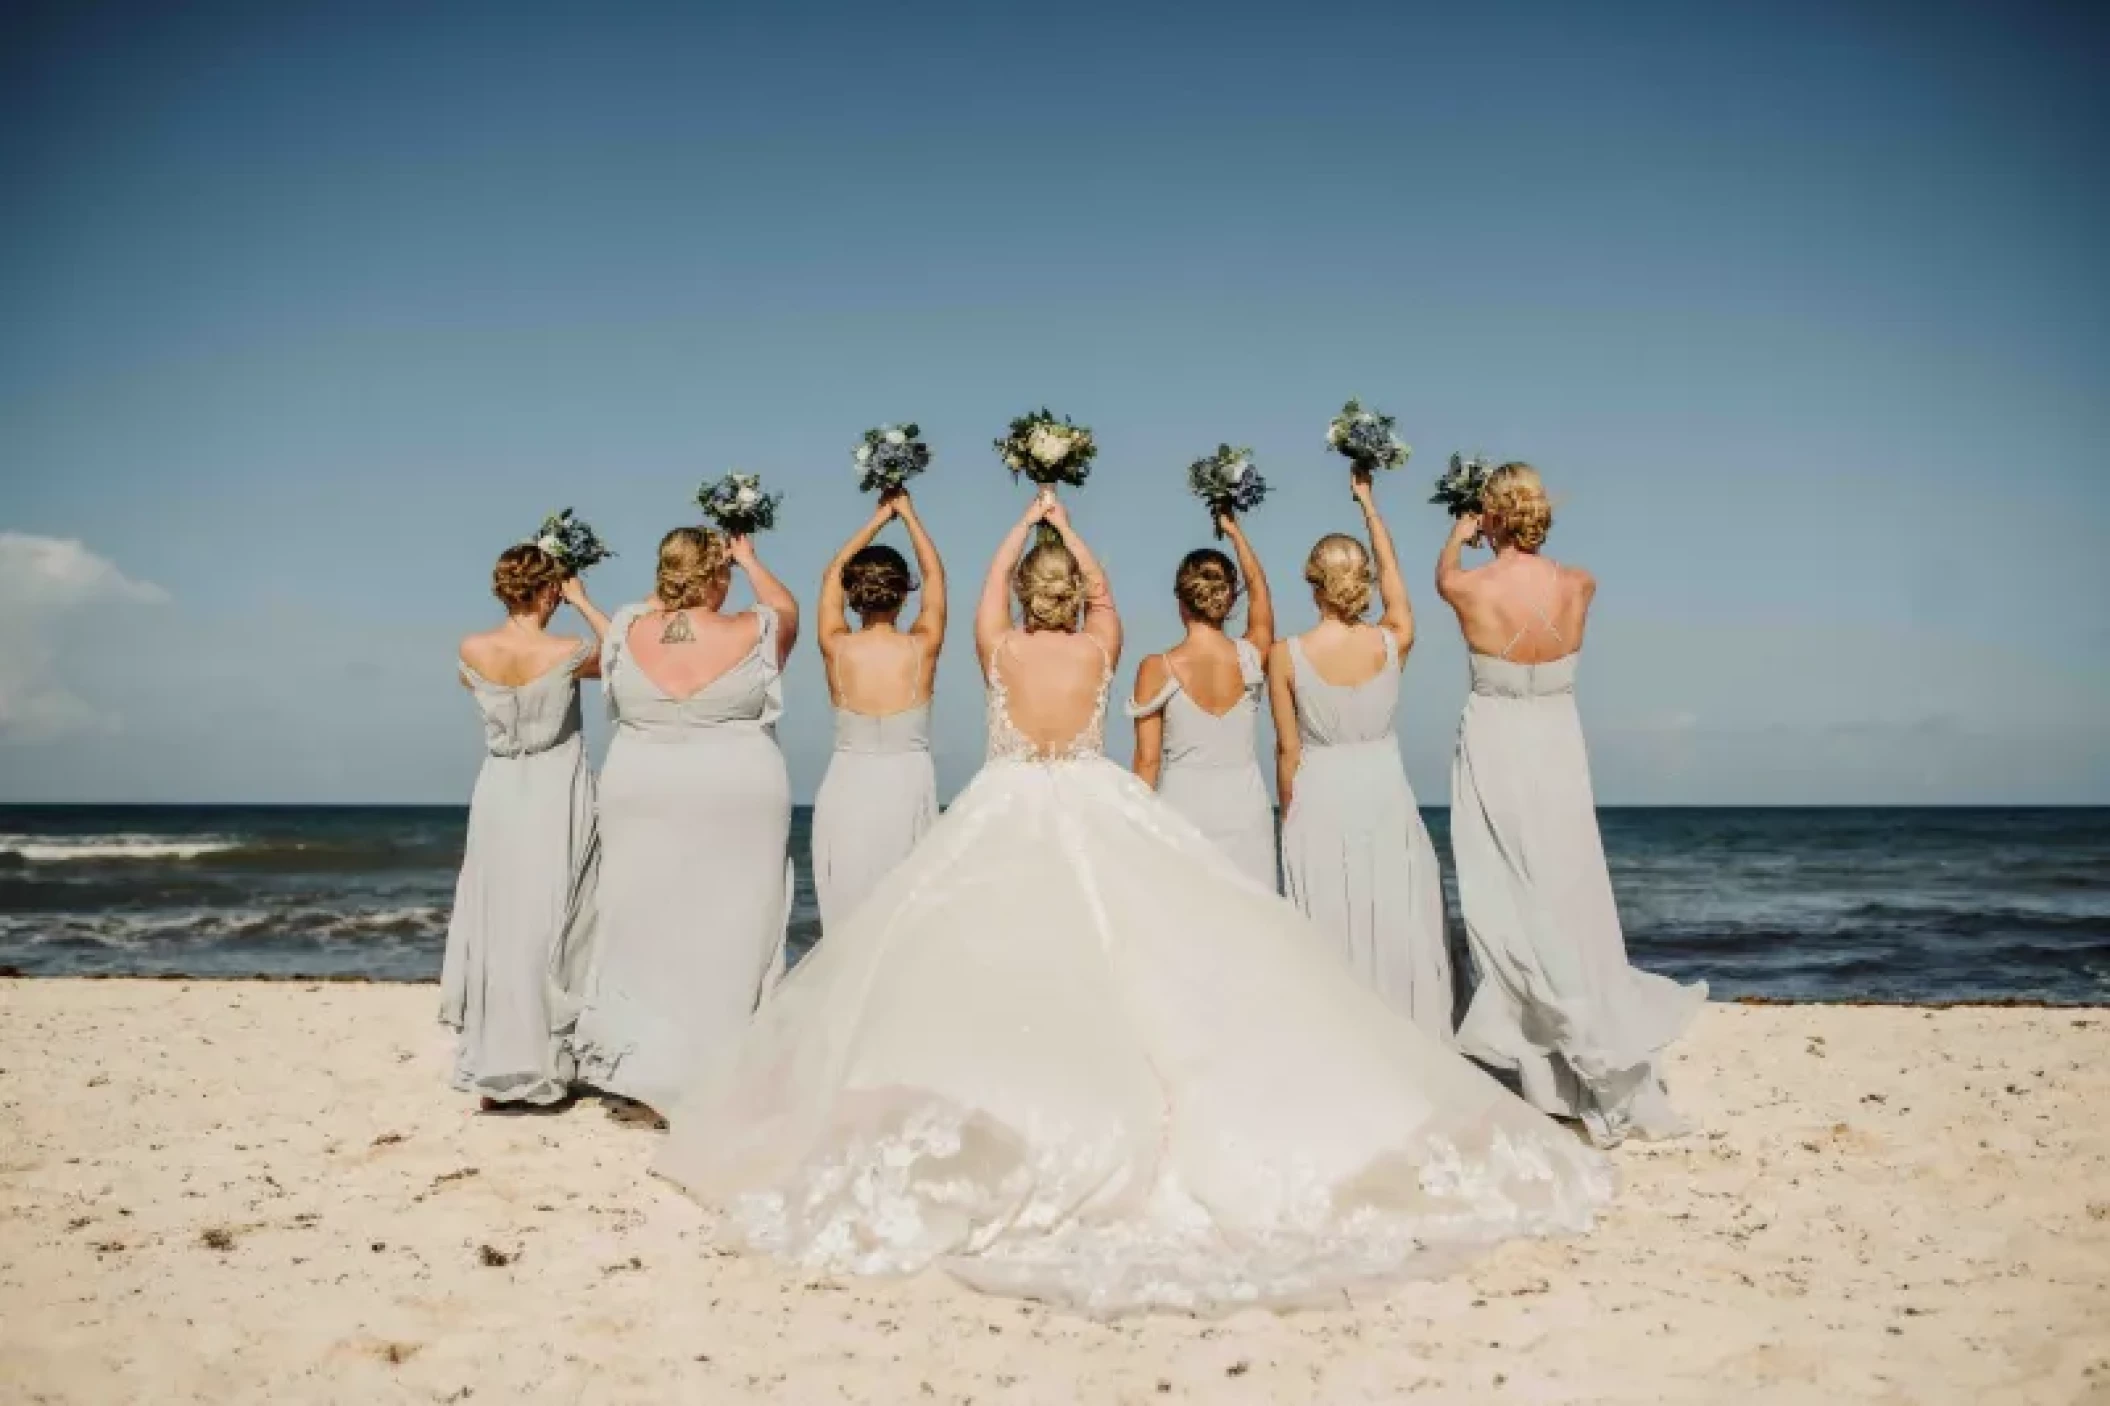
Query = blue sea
x=1819 y=904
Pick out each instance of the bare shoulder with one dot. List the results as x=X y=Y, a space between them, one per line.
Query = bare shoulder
x=1579 y=580
x=479 y=646
x=1150 y=676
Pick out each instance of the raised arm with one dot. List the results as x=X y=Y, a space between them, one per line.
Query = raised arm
x=930 y=615
x=1151 y=675
x=1259 y=601
x=1391 y=586
x=1101 y=620
x=769 y=593
x=992 y=613
x=834 y=620
x=575 y=596
x=1282 y=701
x=1452 y=577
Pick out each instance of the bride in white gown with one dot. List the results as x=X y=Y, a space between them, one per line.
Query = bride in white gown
x=1068 y=1050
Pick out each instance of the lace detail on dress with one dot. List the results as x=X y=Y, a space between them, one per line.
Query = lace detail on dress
x=1008 y=744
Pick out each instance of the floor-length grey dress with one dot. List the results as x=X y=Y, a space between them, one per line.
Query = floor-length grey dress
x=1208 y=772
x=877 y=801
x=1557 y=1002
x=694 y=885
x=531 y=833
x=1355 y=854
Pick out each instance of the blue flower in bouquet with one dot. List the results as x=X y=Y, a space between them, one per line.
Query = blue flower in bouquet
x=1365 y=437
x=573 y=544
x=888 y=457
x=1227 y=481
x=1459 y=487
x=737 y=504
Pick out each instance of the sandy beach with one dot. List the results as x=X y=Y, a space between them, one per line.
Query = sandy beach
x=264 y=1192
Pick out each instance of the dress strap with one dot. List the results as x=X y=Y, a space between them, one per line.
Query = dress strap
x=1251 y=667
x=1391 y=648
x=1157 y=702
x=1545 y=620
x=766 y=636
x=920 y=694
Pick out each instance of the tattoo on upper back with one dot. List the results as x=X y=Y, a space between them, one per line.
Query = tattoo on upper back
x=678 y=630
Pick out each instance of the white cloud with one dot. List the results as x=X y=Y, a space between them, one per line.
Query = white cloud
x=42 y=581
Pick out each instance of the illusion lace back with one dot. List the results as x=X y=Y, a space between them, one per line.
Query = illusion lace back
x=1009 y=743
x=1065 y=1051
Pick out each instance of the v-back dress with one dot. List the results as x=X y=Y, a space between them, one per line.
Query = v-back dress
x=1558 y=1002
x=1356 y=856
x=877 y=801
x=1064 y=1051
x=1208 y=771
x=694 y=888
x=531 y=832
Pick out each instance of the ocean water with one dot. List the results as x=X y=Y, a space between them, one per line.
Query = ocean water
x=1828 y=904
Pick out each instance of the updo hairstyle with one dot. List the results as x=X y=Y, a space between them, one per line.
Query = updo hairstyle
x=1340 y=576
x=1514 y=506
x=1050 y=587
x=693 y=565
x=522 y=575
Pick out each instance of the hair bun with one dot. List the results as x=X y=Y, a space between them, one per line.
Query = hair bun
x=693 y=562
x=1340 y=576
x=1207 y=585
x=1514 y=506
x=522 y=574
x=1050 y=587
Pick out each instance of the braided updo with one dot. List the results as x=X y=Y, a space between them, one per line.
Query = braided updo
x=1514 y=506
x=521 y=576
x=1050 y=587
x=693 y=566
x=876 y=581
x=1340 y=576
x=1206 y=585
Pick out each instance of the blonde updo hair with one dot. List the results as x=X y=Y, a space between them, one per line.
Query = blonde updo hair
x=1050 y=587
x=1340 y=575
x=1206 y=585
x=522 y=575
x=1514 y=506
x=693 y=564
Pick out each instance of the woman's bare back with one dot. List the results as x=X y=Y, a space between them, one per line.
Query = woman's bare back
x=514 y=658
x=1208 y=672
x=878 y=672
x=683 y=652
x=1053 y=684
x=1525 y=608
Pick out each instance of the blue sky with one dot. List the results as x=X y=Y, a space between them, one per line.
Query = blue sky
x=306 y=311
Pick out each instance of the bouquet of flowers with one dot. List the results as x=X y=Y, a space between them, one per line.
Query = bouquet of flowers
x=888 y=457
x=1365 y=438
x=1047 y=450
x=570 y=542
x=737 y=506
x=1459 y=487
x=1227 y=481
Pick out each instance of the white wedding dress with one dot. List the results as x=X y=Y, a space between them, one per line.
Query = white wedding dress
x=1069 y=1051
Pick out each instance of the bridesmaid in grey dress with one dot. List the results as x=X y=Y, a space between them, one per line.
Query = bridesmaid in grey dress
x=1196 y=707
x=694 y=885
x=531 y=830
x=1557 y=1002
x=880 y=794
x=1355 y=854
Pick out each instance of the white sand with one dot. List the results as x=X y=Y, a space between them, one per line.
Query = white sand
x=1885 y=1205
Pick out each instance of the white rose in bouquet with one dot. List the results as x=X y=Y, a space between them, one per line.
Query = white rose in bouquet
x=1049 y=445
x=896 y=437
x=551 y=547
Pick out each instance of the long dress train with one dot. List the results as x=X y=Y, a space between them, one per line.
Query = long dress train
x=1208 y=772
x=531 y=834
x=1558 y=1002
x=694 y=887
x=1066 y=1051
x=1355 y=854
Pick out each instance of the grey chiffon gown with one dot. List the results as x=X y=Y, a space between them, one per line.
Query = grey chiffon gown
x=531 y=834
x=1355 y=854
x=1208 y=772
x=694 y=884
x=877 y=801
x=1557 y=1002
